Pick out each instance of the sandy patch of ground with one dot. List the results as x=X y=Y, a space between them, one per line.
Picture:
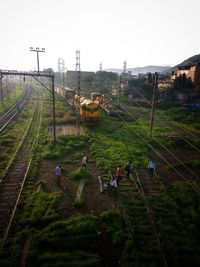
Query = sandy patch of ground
x=67 y=130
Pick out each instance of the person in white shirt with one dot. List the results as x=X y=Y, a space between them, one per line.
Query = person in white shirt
x=58 y=173
x=113 y=183
x=84 y=161
x=151 y=167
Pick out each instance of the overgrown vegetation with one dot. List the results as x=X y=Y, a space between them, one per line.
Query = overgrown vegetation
x=186 y=115
x=87 y=240
x=80 y=174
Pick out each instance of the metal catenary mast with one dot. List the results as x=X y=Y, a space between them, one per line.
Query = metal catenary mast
x=78 y=89
x=62 y=69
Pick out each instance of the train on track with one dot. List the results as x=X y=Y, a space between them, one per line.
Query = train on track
x=89 y=107
x=65 y=92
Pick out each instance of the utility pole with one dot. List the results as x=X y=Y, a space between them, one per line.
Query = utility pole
x=78 y=72
x=124 y=67
x=54 y=111
x=155 y=85
x=100 y=66
x=37 y=50
x=52 y=89
x=78 y=89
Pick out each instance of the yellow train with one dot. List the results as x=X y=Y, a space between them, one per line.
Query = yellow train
x=97 y=97
x=89 y=109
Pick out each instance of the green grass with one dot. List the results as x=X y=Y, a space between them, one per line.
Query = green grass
x=80 y=174
x=188 y=117
x=11 y=99
x=116 y=144
x=65 y=145
x=40 y=208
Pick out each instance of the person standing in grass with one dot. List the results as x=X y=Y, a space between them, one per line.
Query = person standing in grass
x=151 y=167
x=119 y=174
x=128 y=168
x=84 y=161
x=58 y=173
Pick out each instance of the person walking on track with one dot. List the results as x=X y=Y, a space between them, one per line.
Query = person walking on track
x=119 y=174
x=58 y=173
x=151 y=168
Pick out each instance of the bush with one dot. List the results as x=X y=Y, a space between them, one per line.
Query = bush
x=80 y=174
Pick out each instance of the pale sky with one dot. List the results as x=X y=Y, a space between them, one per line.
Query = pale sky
x=142 y=32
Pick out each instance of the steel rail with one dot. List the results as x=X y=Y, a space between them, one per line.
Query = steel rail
x=34 y=119
x=173 y=155
x=166 y=116
x=149 y=212
x=166 y=125
x=152 y=219
x=9 y=115
x=163 y=158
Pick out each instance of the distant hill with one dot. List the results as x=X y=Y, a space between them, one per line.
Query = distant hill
x=188 y=62
x=145 y=69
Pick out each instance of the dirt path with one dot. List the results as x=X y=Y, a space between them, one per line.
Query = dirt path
x=94 y=201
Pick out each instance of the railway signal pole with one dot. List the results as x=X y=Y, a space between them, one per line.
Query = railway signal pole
x=37 y=50
x=155 y=85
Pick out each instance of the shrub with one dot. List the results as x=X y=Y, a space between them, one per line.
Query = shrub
x=80 y=174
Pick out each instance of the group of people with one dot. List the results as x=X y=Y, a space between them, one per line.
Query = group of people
x=125 y=170
x=119 y=174
x=58 y=169
x=121 y=171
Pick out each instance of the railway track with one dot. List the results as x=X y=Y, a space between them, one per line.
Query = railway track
x=8 y=117
x=178 y=168
x=150 y=249
x=12 y=184
x=5 y=93
x=171 y=160
x=177 y=132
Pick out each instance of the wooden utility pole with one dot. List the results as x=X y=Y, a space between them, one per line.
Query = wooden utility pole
x=54 y=109
x=155 y=85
